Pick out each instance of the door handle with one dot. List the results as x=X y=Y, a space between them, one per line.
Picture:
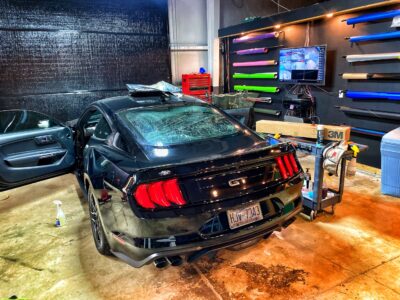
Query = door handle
x=44 y=140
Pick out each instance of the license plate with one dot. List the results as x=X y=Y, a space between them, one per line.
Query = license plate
x=244 y=216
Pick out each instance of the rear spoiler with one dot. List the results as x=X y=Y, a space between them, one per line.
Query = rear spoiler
x=220 y=162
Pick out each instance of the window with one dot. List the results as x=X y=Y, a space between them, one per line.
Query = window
x=95 y=125
x=92 y=119
x=22 y=120
x=102 y=130
x=171 y=125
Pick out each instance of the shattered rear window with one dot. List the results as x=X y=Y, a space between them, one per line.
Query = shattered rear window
x=171 y=125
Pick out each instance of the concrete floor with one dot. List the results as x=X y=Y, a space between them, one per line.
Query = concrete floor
x=354 y=254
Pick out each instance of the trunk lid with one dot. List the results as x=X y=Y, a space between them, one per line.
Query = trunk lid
x=227 y=177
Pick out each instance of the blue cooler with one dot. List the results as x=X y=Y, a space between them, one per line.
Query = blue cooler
x=390 y=156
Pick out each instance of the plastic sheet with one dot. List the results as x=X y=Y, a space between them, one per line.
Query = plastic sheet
x=373 y=76
x=373 y=95
x=373 y=17
x=256 y=37
x=264 y=89
x=166 y=87
x=255 y=63
x=271 y=75
x=374 y=37
x=233 y=101
x=252 y=51
x=372 y=57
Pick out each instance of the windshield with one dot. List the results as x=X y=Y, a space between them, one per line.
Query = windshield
x=172 y=125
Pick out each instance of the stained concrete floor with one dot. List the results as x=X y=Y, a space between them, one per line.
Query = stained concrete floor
x=354 y=254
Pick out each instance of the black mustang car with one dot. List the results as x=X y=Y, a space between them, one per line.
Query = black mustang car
x=166 y=177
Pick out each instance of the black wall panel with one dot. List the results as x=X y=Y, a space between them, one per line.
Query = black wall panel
x=49 y=49
x=333 y=32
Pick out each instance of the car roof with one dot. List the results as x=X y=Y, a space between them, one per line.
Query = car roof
x=115 y=104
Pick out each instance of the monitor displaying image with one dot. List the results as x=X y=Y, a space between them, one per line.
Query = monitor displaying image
x=304 y=65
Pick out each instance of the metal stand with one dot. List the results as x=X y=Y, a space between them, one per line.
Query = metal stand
x=316 y=204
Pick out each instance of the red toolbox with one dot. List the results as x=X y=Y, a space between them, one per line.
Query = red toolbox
x=197 y=85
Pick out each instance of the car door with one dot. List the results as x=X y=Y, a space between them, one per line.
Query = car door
x=33 y=146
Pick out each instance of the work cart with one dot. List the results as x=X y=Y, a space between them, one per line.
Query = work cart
x=314 y=202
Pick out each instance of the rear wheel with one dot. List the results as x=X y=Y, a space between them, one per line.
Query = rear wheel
x=99 y=236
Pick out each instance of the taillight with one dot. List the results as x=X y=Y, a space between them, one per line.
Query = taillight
x=173 y=192
x=287 y=165
x=281 y=167
x=293 y=162
x=159 y=193
x=142 y=196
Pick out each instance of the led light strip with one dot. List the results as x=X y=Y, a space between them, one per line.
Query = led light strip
x=370 y=113
x=373 y=17
x=271 y=75
x=366 y=76
x=265 y=89
x=256 y=37
x=256 y=63
x=372 y=57
x=373 y=95
x=374 y=37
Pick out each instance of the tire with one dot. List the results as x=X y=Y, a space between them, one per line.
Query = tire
x=99 y=237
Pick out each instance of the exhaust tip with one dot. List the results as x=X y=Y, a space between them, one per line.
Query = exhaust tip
x=161 y=263
x=175 y=260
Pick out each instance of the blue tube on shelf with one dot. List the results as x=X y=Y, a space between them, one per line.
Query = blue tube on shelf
x=373 y=95
x=374 y=37
x=373 y=17
x=367 y=131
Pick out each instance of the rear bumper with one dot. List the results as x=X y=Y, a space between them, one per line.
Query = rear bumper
x=137 y=257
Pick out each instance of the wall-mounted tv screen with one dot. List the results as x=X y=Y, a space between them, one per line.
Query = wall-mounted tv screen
x=305 y=65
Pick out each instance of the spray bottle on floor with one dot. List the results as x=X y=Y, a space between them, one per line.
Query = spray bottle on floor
x=60 y=219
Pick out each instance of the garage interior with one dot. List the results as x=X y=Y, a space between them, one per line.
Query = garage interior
x=57 y=58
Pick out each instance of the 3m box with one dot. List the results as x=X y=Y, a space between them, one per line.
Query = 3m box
x=390 y=163
x=332 y=133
